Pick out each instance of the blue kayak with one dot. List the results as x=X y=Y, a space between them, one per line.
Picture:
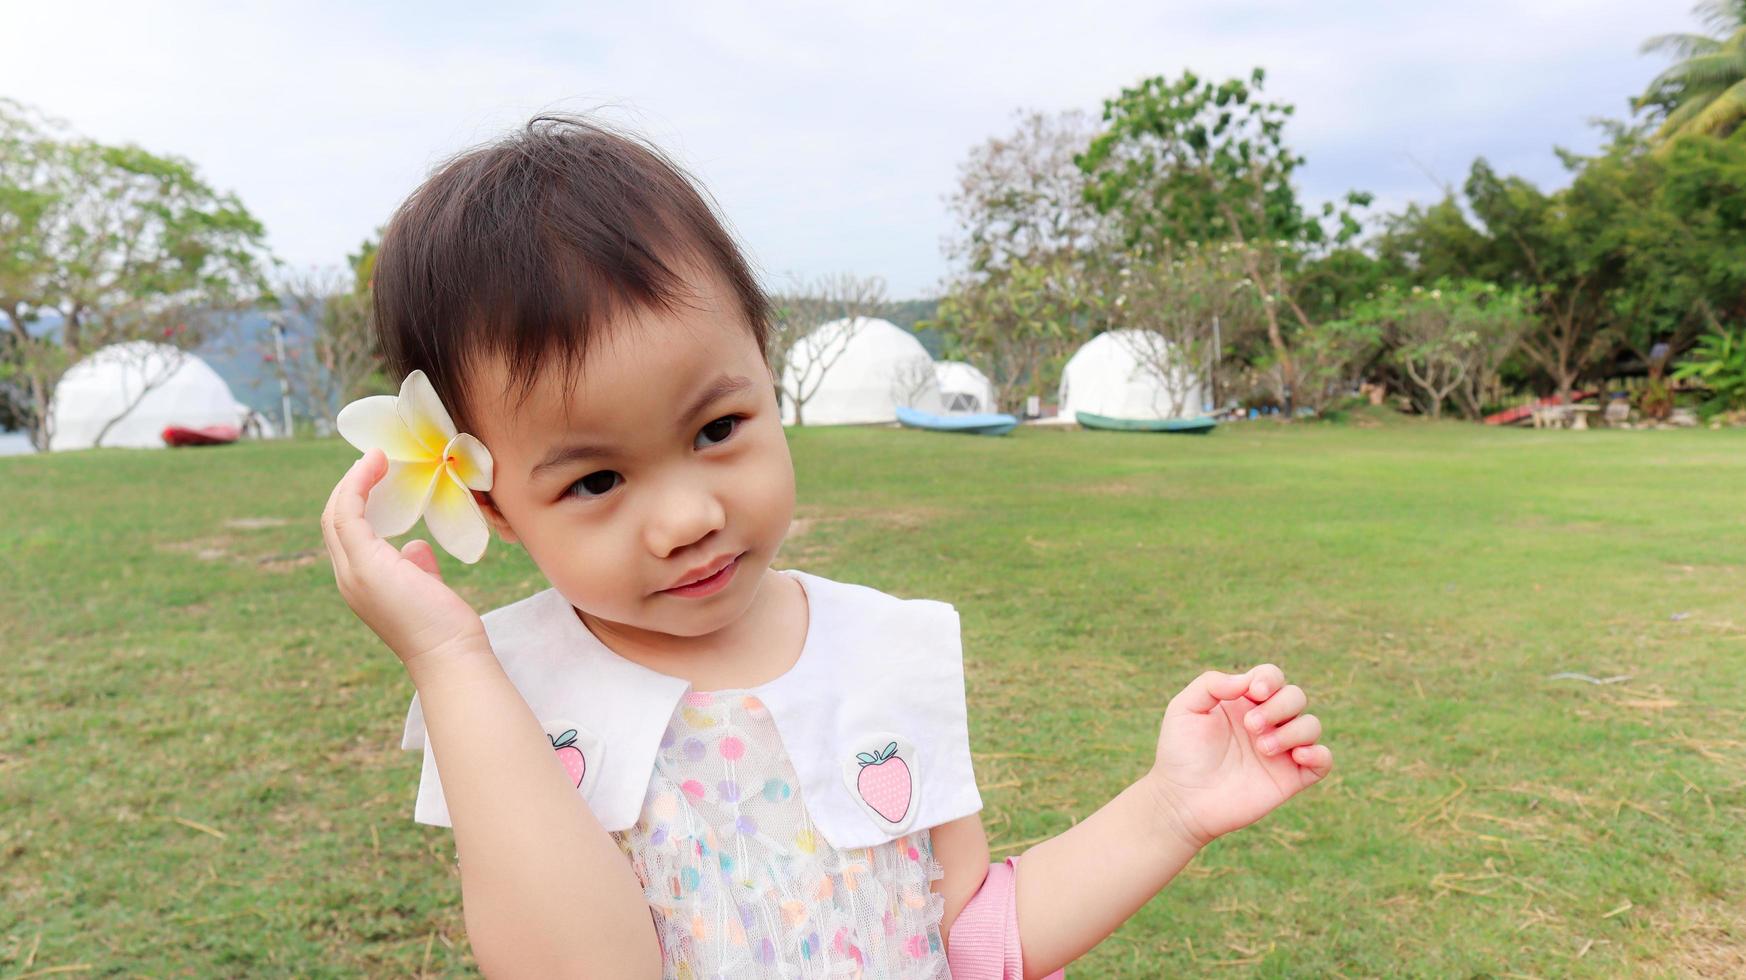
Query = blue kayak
x=984 y=424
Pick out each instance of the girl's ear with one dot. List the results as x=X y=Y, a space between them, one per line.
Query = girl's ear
x=495 y=517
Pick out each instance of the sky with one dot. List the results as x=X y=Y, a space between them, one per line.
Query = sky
x=830 y=134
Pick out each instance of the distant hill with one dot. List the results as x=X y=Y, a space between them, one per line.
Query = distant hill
x=234 y=351
x=907 y=313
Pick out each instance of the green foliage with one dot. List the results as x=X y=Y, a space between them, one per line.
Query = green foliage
x=1636 y=252
x=1719 y=364
x=1018 y=322
x=1704 y=91
x=1329 y=357
x=1449 y=340
x=1193 y=160
x=1327 y=285
x=117 y=242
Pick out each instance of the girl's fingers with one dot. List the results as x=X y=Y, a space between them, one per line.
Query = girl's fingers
x=1206 y=691
x=1302 y=730
x=329 y=535
x=354 y=533
x=1265 y=681
x=1318 y=759
x=419 y=553
x=1278 y=709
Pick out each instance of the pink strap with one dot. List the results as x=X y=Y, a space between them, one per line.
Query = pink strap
x=984 y=941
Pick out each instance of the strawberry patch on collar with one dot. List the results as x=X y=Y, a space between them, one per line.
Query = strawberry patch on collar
x=883 y=779
x=577 y=748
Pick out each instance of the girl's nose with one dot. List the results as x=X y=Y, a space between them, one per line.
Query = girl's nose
x=684 y=515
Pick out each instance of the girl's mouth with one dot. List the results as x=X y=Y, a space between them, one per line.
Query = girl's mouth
x=708 y=586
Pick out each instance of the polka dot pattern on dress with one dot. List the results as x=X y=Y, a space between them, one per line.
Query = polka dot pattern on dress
x=743 y=886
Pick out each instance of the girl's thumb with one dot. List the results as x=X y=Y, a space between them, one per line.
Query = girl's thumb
x=418 y=552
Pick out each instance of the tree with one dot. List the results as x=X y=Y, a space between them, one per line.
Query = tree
x=1676 y=221
x=101 y=244
x=1019 y=322
x=1021 y=197
x=1192 y=161
x=1022 y=294
x=1557 y=248
x=1449 y=339
x=1189 y=304
x=330 y=354
x=1704 y=90
x=813 y=326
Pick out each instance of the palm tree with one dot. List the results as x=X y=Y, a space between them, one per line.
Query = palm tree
x=1705 y=90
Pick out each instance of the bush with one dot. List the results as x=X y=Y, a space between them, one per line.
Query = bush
x=1718 y=363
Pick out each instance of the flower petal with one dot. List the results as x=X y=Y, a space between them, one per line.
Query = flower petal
x=395 y=503
x=424 y=414
x=455 y=520
x=372 y=423
x=470 y=459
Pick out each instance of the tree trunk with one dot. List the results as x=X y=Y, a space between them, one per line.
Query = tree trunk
x=39 y=426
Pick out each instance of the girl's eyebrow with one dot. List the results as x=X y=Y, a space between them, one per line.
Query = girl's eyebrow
x=566 y=454
x=721 y=387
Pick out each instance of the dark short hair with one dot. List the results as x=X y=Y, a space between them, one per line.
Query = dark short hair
x=531 y=246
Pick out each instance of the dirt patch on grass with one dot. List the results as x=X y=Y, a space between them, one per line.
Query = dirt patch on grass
x=1110 y=488
x=809 y=533
x=1707 y=939
x=204 y=549
x=255 y=523
x=286 y=562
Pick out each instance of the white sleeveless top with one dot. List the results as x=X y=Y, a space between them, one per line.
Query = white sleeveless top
x=778 y=831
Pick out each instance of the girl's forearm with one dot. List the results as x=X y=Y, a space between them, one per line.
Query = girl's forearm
x=1077 y=887
x=546 y=892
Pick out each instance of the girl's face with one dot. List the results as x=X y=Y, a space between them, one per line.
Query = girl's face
x=666 y=461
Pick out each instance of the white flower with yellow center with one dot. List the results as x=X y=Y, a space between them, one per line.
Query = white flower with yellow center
x=432 y=469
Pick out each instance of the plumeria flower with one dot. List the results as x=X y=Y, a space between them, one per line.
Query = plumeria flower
x=432 y=469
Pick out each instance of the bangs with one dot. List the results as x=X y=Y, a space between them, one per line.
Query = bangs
x=535 y=247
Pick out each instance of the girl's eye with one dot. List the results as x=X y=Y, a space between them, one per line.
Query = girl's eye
x=717 y=431
x=596 y=484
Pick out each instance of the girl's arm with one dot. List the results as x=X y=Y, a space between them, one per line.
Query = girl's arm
x=1231 y=748
x=961 y=847
x=1076 y=888
x=1086 y=881
x=545 y=890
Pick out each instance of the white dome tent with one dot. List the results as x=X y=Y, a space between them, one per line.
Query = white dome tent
x=963 y=388
x=1130 y=374
x=141 y=387
x=856 y=372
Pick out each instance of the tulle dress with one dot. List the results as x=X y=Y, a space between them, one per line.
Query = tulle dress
x=741 y=884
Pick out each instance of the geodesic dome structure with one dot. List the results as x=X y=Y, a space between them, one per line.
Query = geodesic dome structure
x=141 y=387
x=1130 y=374
x=963 y=388
x=855 y=372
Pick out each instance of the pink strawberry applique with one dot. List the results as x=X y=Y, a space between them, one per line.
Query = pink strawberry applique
x=884 y=782
x=569 y=754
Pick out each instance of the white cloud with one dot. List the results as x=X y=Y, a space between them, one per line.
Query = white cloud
x=829 y=133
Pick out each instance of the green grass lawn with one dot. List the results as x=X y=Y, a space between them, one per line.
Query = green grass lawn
x=199 y=771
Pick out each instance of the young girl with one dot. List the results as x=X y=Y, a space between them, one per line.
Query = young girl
x=678 y=761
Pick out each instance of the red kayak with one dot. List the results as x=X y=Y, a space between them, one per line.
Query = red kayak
x=211 y=435
x=1521 y=413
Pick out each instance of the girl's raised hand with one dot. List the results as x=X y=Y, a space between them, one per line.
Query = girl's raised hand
x=1232 y=747
x=397 y=593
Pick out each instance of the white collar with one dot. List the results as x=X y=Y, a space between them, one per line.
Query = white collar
x=874 y=702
